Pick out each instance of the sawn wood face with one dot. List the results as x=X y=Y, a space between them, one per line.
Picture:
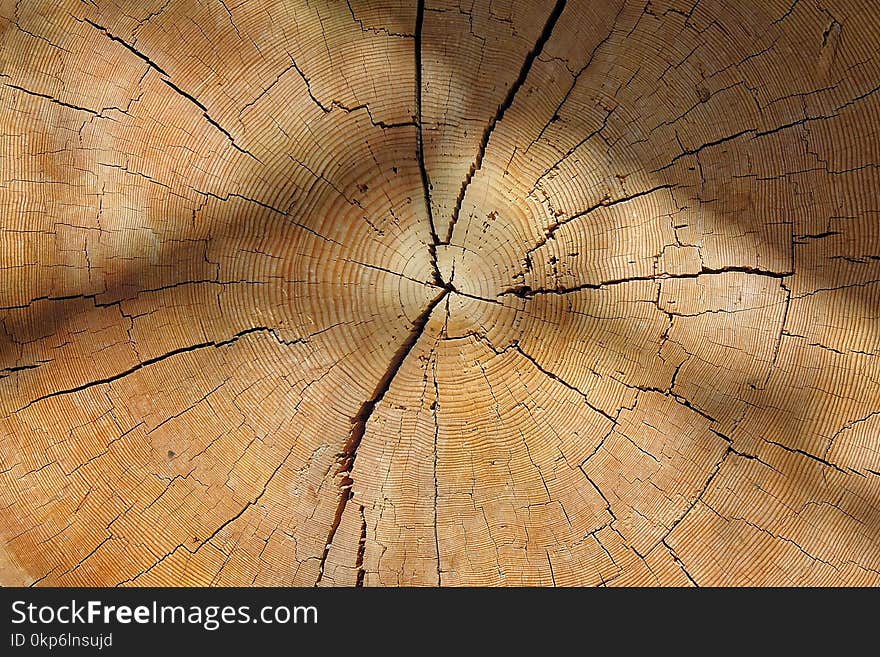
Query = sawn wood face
x=384 y=292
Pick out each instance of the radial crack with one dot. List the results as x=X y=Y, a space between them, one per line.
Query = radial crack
x=182 y=350
x=362 y=548
x=166 y=79
x=527 y=292
x=680 y=563
x=426 y=181
x=434 y=408
x=560 y=380
x=552 y=19
x=550 y=231
x=346 y=458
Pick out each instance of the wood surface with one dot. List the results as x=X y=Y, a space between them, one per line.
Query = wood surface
x=452 y=292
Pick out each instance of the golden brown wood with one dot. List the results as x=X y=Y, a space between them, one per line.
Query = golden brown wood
x=450 y=292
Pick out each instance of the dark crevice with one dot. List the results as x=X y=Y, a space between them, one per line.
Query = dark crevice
x=816 y=236
x=52 y=99
x=151 y=361
x=601 y=493
x=552 y=19
x=550 y=231
x=166 y=80
x=744 y=455
x=560 y=380
x=362 y=548
x=472 y=296
x=132 y=172
x=680 y=564
x=150 y=290
x=388 y=271
x=757 y=134
x=426 y=181
x=271 y=208
x=208 y=118
x=577 y=77
x=7 y=371
x=527 y=292
x=555 y=166
x=699 y=496
x=346 y=458
x=134 y=51
x=434 y=408
x=668 y=392
x=335 y=104
x=818 y=459
x=375 y=30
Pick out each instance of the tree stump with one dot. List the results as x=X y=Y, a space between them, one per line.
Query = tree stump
x=384 y=292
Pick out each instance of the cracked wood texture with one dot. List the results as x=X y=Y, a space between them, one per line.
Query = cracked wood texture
x=449 y=292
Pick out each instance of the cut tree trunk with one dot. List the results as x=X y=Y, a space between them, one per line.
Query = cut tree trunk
x=385 y=292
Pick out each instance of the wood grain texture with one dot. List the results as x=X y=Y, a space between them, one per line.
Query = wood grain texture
x=448 y=292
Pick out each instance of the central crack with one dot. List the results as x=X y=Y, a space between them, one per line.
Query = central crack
x=346 y=458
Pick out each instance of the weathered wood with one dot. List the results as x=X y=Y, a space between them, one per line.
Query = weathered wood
x=387 y=292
